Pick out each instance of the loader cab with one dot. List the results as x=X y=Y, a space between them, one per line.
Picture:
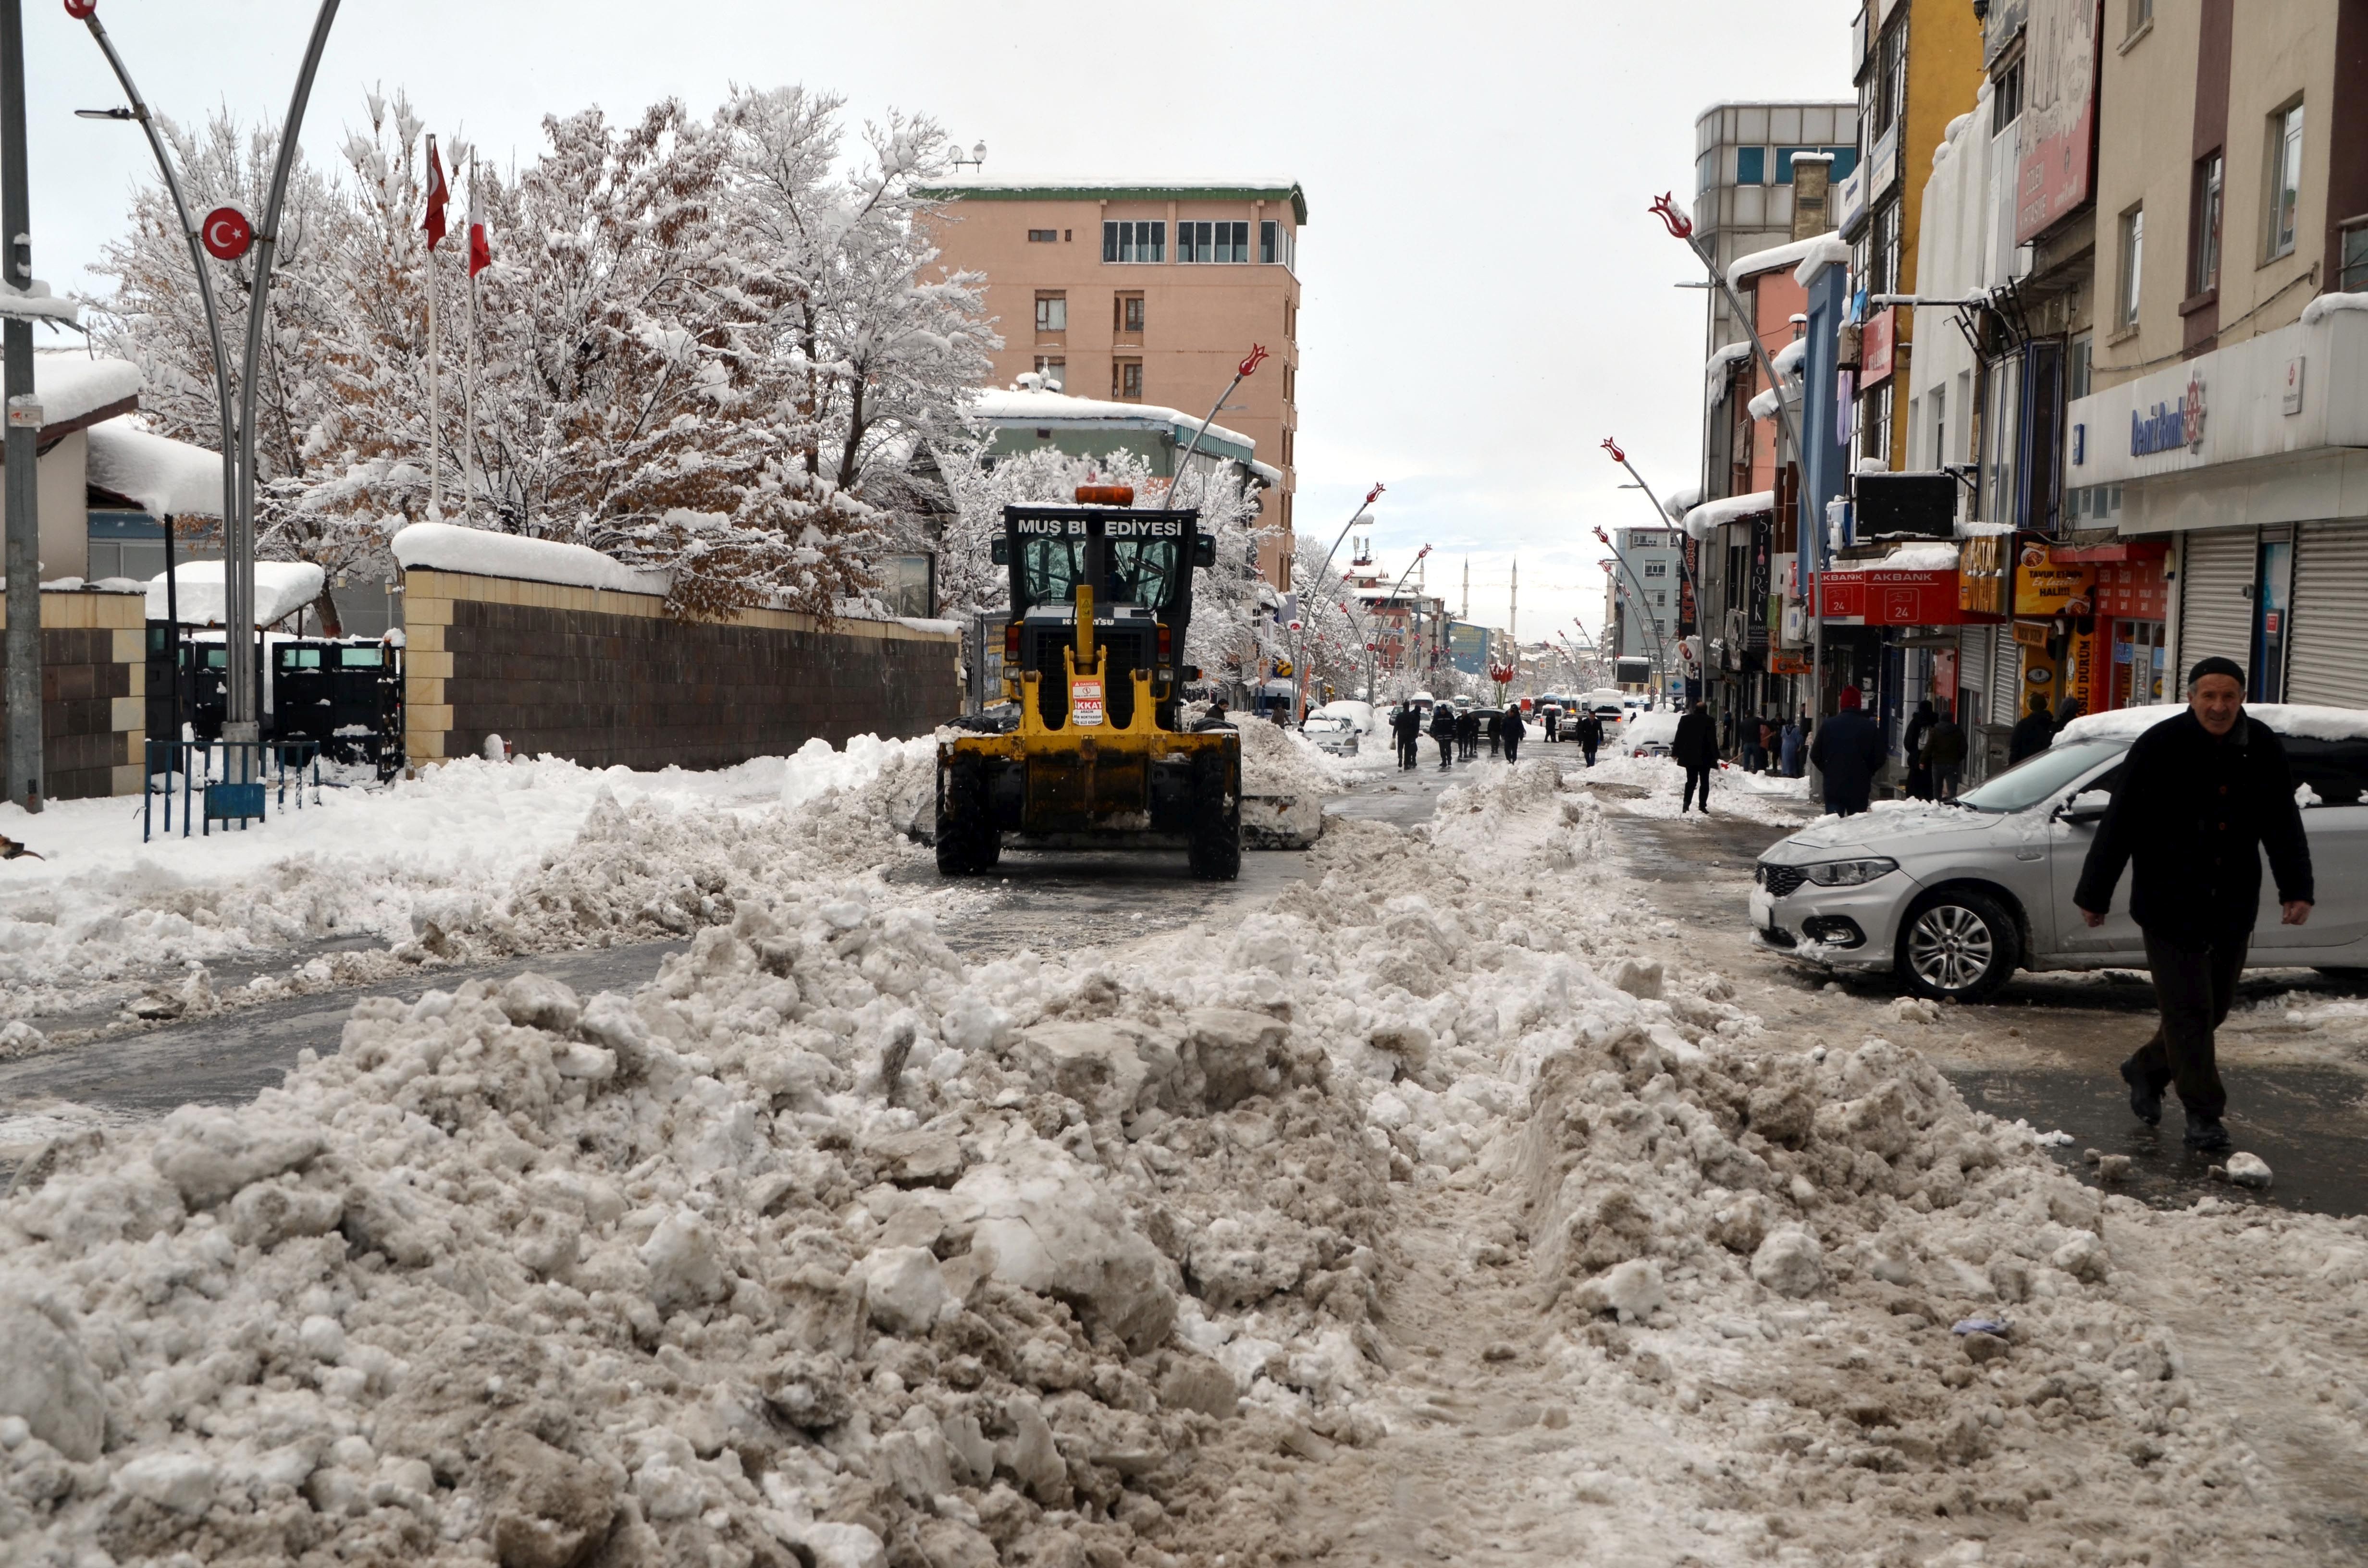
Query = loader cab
x=1138 y=566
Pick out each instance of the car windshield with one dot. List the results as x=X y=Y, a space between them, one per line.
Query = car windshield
x=2043 y=777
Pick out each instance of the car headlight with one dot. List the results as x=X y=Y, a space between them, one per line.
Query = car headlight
x=1849 y=873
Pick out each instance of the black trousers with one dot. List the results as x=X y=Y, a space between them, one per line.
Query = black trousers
x=1512 y=748
x=2193 y=986
x=1588 y=747
x=1408 y=750
x=1697 y=780
x=1447 y=751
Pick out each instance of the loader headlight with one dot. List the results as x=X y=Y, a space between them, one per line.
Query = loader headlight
x=1851 y=873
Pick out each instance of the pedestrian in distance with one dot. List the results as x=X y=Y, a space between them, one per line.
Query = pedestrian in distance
x=1944 y=748
x=1467 y=733
x=1493 y=726
x=1553 y=719
x=1847 y=749
x=2203 y=795
x=1511 y=728
x=1405 y=728
x=1919 y=765
x=2032 y=732
x=1591 y=734
x=1695 y=749
x=1443 y=729
x=2066 y=712
x=1788 y=748
x=1768 y=739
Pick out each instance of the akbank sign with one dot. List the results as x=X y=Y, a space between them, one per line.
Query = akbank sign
x=2170 y=426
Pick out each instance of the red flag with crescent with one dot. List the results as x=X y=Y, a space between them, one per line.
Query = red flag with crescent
x=437 y=196
x=480 y=249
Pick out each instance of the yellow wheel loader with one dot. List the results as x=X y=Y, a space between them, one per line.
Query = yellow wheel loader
x=1088 y=752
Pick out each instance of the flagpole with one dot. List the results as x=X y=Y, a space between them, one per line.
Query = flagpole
x=469 y=373
x=435 y=391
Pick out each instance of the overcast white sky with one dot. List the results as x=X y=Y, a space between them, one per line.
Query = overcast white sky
x=1485 y=298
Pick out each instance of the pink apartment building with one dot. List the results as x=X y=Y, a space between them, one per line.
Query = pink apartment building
x=1149 y=294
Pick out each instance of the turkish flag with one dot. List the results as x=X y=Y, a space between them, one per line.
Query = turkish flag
x=437 y=195
x=481 y=250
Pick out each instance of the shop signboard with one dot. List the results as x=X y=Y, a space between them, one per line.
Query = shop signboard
x=1875 y=340
x=1468 y=646
x=2053 y=176
x=1983 y=564
x=2046 y=586
x=1889 y=598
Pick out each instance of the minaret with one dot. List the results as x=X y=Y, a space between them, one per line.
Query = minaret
x=1466 y=614
x=1513 y=605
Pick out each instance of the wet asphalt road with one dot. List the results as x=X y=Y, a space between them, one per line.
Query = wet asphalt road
x=2046 y=1048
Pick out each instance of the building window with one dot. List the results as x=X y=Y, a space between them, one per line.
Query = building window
x=2133 y=267
x=1126 y=379
x=2079 y=362
x=1876 y=412
x=1890 y=76
x=2006 y=98
x=1785 y=163
x=1276 y=244
x=1052 y=311
x=2203 y=242
x=1055 y=372
x=1882 y=251
x=2353 y=260
x=2285 y=180
x=1203 y=241
x=1129 y=240
x=2141 y=13
x=1043 y=236
x=1288 y=443
x=1751 y=166
x=1845 y=161
x=1657 y=569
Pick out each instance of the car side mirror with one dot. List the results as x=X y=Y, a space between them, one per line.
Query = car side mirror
x=999 y=551
x=2084 y=808
x=1204 y=549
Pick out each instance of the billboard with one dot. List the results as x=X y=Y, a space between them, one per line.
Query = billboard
x=1467 y=646
x=2059 y=115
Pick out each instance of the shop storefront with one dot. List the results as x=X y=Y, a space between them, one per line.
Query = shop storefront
x=2249 y=467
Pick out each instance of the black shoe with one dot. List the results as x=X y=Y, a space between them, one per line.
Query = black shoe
x=2145 y=1100
x=2206 y=1135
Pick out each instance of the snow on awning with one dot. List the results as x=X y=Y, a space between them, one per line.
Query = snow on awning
x=71 y=387
x=168 y=478
x=1935 y=555
x=281 y=588
x=1681 y=501
x=1709 y=518
x=1719 y=365
x=447 y=547
x=1776 y=257
x=1826 y=250
x=1788 y=359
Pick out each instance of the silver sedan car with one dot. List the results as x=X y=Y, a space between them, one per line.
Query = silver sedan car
x=1953 y=898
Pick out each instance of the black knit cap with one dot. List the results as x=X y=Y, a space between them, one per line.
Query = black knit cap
x=2215 y=665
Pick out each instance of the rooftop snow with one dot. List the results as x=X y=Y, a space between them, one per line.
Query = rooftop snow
x=1681 y=501
x=2302 y=719
x=281 y=588
x=168 y=478
x=1070 y=187
x=447 y=547
x=1788 y=359
x=1775 y=256
x=1934 y=556
x=1708 y=517
x=1023 y=406
x=72 y=386
x=1827 y=250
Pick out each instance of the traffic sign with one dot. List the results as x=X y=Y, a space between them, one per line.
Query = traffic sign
x=227 y=234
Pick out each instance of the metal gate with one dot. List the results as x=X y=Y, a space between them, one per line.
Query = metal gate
x=2215 y=603
x=2006 y=674
x=2327 y=660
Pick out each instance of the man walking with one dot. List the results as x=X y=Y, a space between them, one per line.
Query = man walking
x=1847 y=749
x=1919 y=761
x=1789 y=752
x=2203 y=795
x=2032 y=732
x=1945 y=749
x=1405 y=727
x=1590 y=733
x=1443 y=729
x=1510 y=729
x=1553 y=721
x=1695 y=749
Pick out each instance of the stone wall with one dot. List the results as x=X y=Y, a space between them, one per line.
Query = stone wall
x=603 y=678
x=94 y=681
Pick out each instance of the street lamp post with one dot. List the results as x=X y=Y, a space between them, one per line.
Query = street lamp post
x=1636 y=597
x=1788 y=437
x=1299 y=652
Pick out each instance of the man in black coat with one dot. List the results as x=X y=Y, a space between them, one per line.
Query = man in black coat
x=1467 y=734
x=1695 y=749
x=1443 y=729
x=1590 y=733
x=1511 y=728
x=1848 y=752
x=2202 y=796
x=1919 y=767
x=1405 y=728
x=2032 y=732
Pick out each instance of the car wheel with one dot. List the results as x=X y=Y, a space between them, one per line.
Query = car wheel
x=1957 y=947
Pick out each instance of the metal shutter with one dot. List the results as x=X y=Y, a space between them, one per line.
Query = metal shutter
x=1973 y=665
x=2216 y=607
x=2006 y=674
x=2327 y=659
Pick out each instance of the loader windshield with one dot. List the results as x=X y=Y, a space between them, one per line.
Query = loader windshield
x=1050 y=569
x=1144 y=571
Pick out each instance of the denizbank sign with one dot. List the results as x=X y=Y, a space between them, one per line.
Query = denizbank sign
x=2170 y=426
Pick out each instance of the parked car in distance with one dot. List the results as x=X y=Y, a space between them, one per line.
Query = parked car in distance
x=1952 y=897
x=1648 y=733
x=1334 y=733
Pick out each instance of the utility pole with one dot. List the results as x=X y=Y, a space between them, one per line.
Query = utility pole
x=24 y=517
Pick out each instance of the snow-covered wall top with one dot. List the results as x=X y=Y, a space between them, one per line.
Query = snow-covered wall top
x=1935 y=556
x=2326 y=306
x=1707 y=518
x=1021 y=405
x=166 y=477
x=281 y=588
x=1826 y=251
x=1774 y=256
x=447 y=547
x=72 y=386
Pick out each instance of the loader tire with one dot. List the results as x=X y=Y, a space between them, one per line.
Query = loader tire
x=1216 y=831
x=968 y=841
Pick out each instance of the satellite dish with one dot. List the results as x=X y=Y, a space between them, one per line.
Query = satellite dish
x=978 y=153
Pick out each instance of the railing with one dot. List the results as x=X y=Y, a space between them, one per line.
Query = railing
x=224 y=781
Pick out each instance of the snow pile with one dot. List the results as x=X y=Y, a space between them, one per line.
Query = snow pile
x=1654 y=787
x=70 y=385
x=447 y=547
x=281 y=588
x=1279 y=761
x=2327 y=305
x=168 y=478
x=1934 y=556
x=1706 y=519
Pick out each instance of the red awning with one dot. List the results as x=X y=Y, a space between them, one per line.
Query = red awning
x=1895 y=598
